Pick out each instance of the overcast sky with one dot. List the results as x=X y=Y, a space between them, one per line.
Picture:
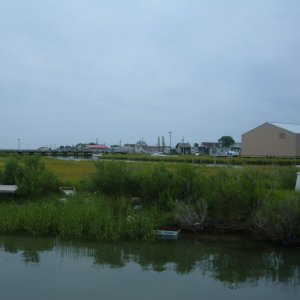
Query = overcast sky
x=80 y=70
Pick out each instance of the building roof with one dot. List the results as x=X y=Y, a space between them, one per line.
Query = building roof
x=209 y=144
x=97 y=147
x=295 y=128
x=183 y=145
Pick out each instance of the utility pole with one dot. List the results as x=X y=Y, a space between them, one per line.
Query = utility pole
x=19 y=143
x=170 y=133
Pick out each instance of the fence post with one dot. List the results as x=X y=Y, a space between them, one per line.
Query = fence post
x=297 y=187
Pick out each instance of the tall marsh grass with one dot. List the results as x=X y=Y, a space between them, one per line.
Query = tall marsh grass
x=30 y=175
x=248 y=199
x=92 y=218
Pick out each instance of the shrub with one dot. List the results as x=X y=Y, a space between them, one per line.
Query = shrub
x=191 y=215
x=187 y=183
x=156 y=182
x=35 y=178
x=279 y=216
x=232 y=195
x=111 y=178
x=165 y=201
x=11 y=172
x=285 y=177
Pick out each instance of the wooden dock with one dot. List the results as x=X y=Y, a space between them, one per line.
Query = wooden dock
x=8 y=189
x=54 y=153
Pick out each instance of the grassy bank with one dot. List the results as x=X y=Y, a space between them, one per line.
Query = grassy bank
x=254 y=200
x=204 y=160
x=80 y=217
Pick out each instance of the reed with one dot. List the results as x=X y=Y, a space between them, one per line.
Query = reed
x=263 y=161
x=249 y=199
x=81 y=217
x=278 y=217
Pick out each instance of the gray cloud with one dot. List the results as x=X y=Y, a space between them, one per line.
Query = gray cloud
x=72 y=71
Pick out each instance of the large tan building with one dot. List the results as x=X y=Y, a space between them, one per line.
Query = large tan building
x=272 y=139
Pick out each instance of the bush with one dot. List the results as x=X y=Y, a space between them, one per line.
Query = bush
x=279 y=216
x=156 y=183
x=35 y=178
x=187 y=183
x=111 y=178
x=191 y=215
x=11 y=172
x=232 y=195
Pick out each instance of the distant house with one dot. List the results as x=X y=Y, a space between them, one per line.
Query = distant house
x=44 y=149
x=205 y=148
x=183 y=148
x=141 y=147
x=236 y=147
x=97 y=148
x=272 y=139
x=128 y=148
x=115 y=149
x=215 y=149
x=219 y=151
x=154 y=149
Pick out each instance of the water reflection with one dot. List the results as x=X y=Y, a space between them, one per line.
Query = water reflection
x=231 y=260
x=29 y=248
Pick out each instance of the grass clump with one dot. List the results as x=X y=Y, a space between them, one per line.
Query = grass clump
x=248 y=199
x=111 y=179
x=278 y=217
x=91 y=218
x=31 y=176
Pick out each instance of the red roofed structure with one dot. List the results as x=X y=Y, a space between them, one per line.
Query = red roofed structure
x=97 y=148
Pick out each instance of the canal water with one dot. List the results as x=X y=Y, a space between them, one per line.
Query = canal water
x=197 y=267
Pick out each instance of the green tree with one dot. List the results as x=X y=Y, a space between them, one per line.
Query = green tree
x=226 y=141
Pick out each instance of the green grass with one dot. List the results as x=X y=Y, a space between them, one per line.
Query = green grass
x=206 y=159
x=258 y=199
x=69 y=170
x=83 y=216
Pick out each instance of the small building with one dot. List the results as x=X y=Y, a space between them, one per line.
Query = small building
x=215 y=149
x=128 y=148
x=115 y=149
x=205 y=148
x=96 y=148
x=183 y=148
x=272 y=139
x=141 y=147
x=219 y=151
x=44 y=149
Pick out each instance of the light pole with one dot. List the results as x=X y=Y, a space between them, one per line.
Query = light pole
x=170 y=133
x=215 y=153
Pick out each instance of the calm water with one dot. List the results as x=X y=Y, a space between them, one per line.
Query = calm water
x=189 y=268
